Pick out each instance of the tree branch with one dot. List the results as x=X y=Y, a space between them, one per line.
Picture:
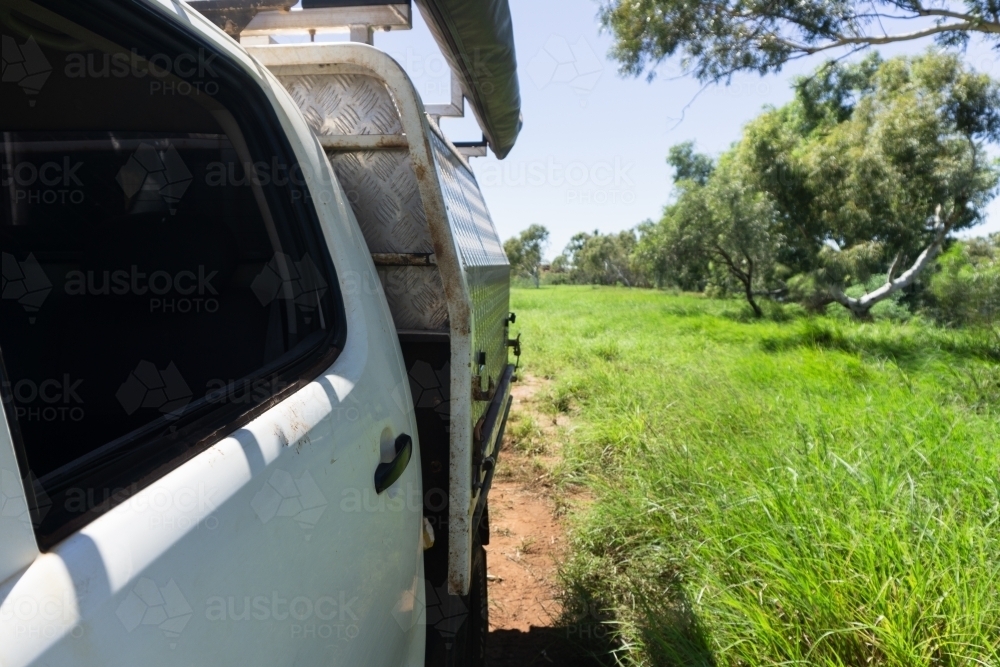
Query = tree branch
x=735 y=270
x=745 y=277
x=861 y=305
x=892 y=267
x=843 y=40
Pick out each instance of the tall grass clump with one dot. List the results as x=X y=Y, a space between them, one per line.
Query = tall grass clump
x=799 y=490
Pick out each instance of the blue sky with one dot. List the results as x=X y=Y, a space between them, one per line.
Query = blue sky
x=592 y=151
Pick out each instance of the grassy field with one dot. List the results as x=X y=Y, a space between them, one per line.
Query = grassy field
x=798 y=490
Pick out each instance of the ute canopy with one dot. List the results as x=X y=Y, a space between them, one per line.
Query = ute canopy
x=477 y=39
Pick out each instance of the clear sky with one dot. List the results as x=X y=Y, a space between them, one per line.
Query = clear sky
x=592 y=151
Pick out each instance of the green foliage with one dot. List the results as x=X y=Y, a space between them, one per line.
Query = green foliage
x=808 y=491
x=719 y=234
x=871 y=160
x=914 y=142
x=524 y=434
x=670 y=251
x=852 y=265
x=524 y=252
x=864 y=173
x=965 y=291
x=602 y=259
x=688 y=165
x=714 y=40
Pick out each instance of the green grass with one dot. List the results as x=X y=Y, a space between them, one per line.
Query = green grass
x=801 y=490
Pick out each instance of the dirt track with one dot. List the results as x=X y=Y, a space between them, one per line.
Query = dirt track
x=527 y=545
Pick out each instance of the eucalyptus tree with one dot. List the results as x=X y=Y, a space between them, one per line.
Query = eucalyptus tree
x=524 y=252
x=603 y=259
x=867 y=172
x=873 y=166
x=719 y=229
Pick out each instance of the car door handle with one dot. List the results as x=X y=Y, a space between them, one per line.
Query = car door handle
x=386 y=474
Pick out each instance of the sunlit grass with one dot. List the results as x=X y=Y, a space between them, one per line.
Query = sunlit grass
x=796 y=490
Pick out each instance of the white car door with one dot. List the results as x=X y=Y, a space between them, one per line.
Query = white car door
x=207 y=423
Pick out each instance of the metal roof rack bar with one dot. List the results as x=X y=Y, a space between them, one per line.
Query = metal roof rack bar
x=359 y=21
x=472 y=148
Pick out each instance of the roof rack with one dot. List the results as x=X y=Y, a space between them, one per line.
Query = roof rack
x=257 y=18
x=476 y=39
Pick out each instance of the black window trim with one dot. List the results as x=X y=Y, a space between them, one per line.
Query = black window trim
x=121 y=22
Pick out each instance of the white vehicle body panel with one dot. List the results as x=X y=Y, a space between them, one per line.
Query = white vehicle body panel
x=166 y=577
x=17 y=541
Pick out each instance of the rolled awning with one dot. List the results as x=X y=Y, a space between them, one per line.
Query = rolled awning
x=477 y=39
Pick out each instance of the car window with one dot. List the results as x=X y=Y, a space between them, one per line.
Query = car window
x=163 y=274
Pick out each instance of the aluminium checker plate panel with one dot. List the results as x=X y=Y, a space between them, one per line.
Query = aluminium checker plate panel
x=383 y=191
x=339 y=104
x=380 y=185
x=487 y=272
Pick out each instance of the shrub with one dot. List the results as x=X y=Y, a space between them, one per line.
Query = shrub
x=965 y=291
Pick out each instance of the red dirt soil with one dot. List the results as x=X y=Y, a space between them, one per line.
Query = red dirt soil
x=527 y=546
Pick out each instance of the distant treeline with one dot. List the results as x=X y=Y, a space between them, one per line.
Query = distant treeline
x=847 y=196
x=962 y=288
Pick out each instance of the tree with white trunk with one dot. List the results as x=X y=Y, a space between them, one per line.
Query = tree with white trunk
x=867 y=172
x=873 y=166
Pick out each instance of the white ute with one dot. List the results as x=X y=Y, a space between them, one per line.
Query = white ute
x=253 y=335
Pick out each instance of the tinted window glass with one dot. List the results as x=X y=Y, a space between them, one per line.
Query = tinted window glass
x=156 y=285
